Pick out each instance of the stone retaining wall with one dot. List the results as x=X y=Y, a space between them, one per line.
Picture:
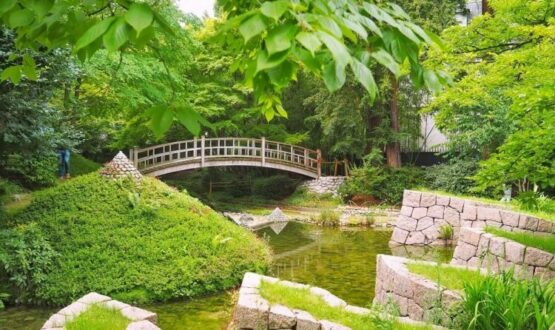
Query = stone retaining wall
x=415 y=296
x=141 y=319
x=253 y=312
x=476 y=248
x=325 y=185
x=422 y=214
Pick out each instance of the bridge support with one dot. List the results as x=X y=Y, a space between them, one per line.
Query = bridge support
x=202 y=143
x=263 y=151
x=319 y=162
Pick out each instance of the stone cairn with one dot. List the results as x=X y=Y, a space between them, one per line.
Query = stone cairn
x=277 y=215
x=119 y=167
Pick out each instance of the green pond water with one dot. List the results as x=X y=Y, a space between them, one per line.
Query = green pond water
x=341 y=261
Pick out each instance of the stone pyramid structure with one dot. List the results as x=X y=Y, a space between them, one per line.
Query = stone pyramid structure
x=277 y=215
x=120 y=166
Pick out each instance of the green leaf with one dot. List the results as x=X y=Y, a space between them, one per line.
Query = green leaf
x=161 y=119
x=385 y=59
x=163 y=23
x=12 y=73
x=274 y=9
x=399 y=12
x=370 y=25
x=282 y=74
x=39 y=7
x=264 y=62
x=279 y=39
x=309 y=41
x=29 y=67
x=334 y=76
x=93 y=33
x=337 y=48
x=20 y=18
x=139 y=16
x=310 y=62
x=188 y=118
x=117 y=35
x=432 y=81
x=352 y=24
x=6 y=5
x=329 y=25
x=365 y=77
x=252 y=27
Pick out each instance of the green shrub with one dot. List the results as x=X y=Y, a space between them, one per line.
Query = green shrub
x=158 y=245
x=454 y=176
x=445 y=232
x=274 y=187
x=532 y=201
x=98 y=318
x=503 y=302
x=328 y=218
x=80 y=165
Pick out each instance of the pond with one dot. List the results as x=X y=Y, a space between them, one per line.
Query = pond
x=341 y=261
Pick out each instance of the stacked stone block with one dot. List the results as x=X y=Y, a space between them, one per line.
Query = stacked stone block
x=325 y=185
x=422 y=214
x=140 y=319
x=479 y=249
x=119 y=167
x=415 y=296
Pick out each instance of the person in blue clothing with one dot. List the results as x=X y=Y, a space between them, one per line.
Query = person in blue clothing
x=64 y=154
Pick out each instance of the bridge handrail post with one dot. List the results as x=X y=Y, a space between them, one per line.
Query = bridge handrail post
x=263 y=152
x=319 y=162
x=202 y=143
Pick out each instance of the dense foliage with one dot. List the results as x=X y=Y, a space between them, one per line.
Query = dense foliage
x=136 y=242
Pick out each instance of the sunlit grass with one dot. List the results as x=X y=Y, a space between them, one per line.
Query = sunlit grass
x=99 y=318
x=302 y=299
x=449 y=277
x=542 y=242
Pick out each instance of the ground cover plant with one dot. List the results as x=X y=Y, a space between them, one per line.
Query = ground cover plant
x=302 y=299
x=98 y=318
x=542 y=242
x=138 y=242
x=503 y=302
x=452 y=278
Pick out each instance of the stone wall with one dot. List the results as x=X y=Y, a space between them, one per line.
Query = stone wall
x=415 y=296
x=141 y=319
x=325 y=185
x=422 y=214
x=476 y=248
x=253 y=312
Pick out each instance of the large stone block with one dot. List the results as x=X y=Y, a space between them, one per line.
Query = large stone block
x=402 y=285
x=328 y=325
x=436 y=211
x=509 y=218
x=415 y=312
x=411 y=198
x=537 y=257
x=406 y=211
x=427 y=200
x=406 y=223
x=497 y=246
x=251 y=312
x=419 y=212
x=442 y=200
x=93 y=298
x=138 y=314
x=431 y=233
x=457 y=204
x=399 y=235
x=416 y=238
x=544 y=226
x=514 y=252
x=357 y=310
x=470 y=236
x=488 y=213
x=281 y=317
x=469 y=211
x=528 y=222
x=424 y=223
x=251 y=280
x=425 y=292
x=464 y=251
x=142 y=325
x=305 y=321
x=74 y=309
x=452 y=216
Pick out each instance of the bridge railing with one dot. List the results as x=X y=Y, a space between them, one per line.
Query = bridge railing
x=207 y=149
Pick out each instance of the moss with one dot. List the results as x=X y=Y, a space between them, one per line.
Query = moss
x=453 y=278
x=542 y=242
x=139 y=242
x=99 y=318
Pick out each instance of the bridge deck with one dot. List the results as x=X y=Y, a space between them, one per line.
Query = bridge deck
x=199 y=153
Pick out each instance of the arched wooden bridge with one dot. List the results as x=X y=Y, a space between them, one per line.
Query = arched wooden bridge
x=218 y=152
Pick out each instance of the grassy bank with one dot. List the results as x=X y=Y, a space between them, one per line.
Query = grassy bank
x=135 y=242
x=304 y=300
x=452 y=278
x=542 y=242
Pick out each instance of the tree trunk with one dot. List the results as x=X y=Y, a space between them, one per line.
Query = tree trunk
x=393 y=149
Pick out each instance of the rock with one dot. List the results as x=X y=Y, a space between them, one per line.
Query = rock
x=451 y=216
x=509 y=218
x=294 y=285
x=514 y=252
x=537 y=257
x=469 y=211
x=436 y=211
x=415 y=312
x=431 y=233
x=305 y=321
x=424 y=223
x=528 y=222
x=406 y=211
x=405 y=223
x=544 y=226
x=281 y=317
x=93 y=298
x=427 y=200
x=419 y=212
x=416 y=238
x=138 y=314
x=119 y=167
x=251 y=312
x=457 y=204
x=114 y=304
x=464 y=251
x=328 y=325
x=277 y=215
x=74 y=309
x=251 y=280
x=357 y=310
x=442 y=200
x=399 y=235
x=470 y=236
x=142 y=325
x=411 y=198
x=55 y=321
x=488 y=213
x=246 y=218
x=497 y=246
